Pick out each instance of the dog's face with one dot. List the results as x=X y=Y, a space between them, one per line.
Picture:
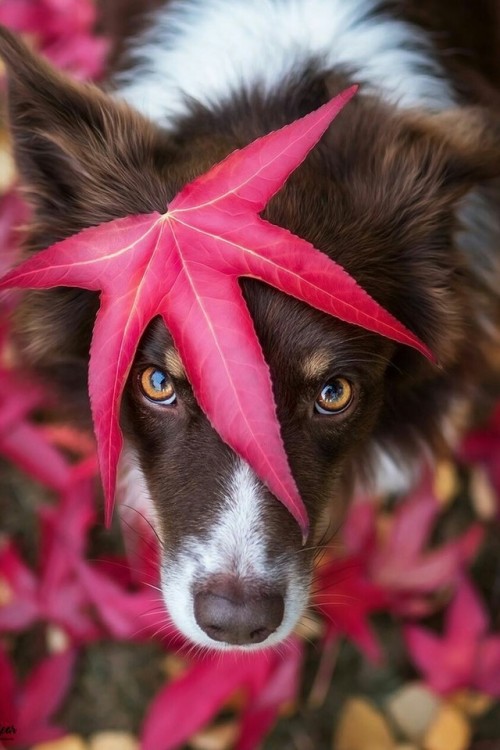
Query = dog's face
x=378 y=195
x=234 y=569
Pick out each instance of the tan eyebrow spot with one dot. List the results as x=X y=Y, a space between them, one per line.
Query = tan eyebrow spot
x=316 y=365
x=174 y=364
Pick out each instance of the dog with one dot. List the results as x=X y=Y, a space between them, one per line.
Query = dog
x=403 y=192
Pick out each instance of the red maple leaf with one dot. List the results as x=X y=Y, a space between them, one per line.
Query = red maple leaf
x=465 y=656
x=62 y=30
x=53 y=594
x=346 y=597
x=482 y=446
x=400 y=562
x=29 y=707
x=184 y=265
x=183 y=706
x=406 y=568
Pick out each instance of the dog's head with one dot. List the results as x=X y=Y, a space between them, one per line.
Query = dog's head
x=380 y=196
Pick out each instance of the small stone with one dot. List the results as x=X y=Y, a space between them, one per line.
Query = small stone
x=113 y=741
x=69 y=742
x=450 y=730
x=413 y=708
x=220 y=737
x=362 y=727
x=57 y=640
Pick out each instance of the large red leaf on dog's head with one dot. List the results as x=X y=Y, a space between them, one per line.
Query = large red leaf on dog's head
x=184 y=265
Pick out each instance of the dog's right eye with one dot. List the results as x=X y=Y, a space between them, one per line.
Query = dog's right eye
x=335 y=396
x=157 y=386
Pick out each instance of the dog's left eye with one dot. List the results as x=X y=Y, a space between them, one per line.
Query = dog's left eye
x=335 y=396
x=157 y=386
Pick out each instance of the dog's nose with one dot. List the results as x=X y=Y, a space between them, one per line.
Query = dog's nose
x=237 y=612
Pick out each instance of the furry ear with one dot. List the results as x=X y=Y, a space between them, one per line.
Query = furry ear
x=469 y=137
x=84 y=158
x=406 y=176
x=80 y=153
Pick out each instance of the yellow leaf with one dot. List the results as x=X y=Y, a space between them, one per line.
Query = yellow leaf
x=445 y=482
x=471 y=703
x=7 y=164
x=113 y=741
x=362 y=727
x=450 y=730
x=69 y=742
x=483 y=496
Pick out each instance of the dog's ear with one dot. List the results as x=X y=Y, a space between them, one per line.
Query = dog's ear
x=84 y=158
x=441 y=179
x=460 y=151
x=403 y=224
x=81 y=154
x=469 y=140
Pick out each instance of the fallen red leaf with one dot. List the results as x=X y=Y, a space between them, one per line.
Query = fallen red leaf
x=53 y=593
x=62 y=30
x=31 y=706
x=185 y=265
x=42 y=462
x=464 y=656
x=185 y=705
x=280 y=687
x=130 y=615
x=482 y=446
x=401 y=564
x=346 y=597
x=406 y=568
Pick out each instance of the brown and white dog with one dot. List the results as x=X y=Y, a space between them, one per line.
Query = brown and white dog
x=401 y=192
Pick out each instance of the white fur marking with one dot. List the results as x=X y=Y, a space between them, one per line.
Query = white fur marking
x=390 y=476
x=206 y=50
x=236 y=544
x=132 y=491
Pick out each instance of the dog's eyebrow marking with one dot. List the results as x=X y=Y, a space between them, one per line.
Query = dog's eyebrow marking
x=174 y=364
x=316 y=365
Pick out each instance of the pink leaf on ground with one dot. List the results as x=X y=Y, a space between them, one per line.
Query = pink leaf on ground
x=464 y=656
x=482 y=446
x=31 y=706
x=188 y=703
x=281 y=687
x=346 y=597
x=20 y=606
x=43 y=693
x=63 y=31
x=402 y=565
x=8 y=689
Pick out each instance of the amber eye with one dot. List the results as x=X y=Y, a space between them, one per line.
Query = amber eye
x=335 y=396
x=157 y=386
